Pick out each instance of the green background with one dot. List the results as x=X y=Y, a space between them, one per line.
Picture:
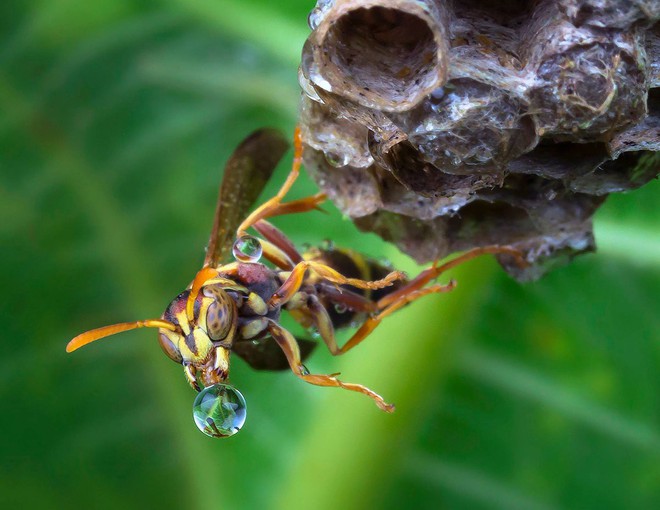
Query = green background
x=115 y=119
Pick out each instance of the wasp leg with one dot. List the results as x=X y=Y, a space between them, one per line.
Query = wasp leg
x=279 y=239
x=349 y=299
x=277 y=248
x=274 y=206
x=435 y=270
x=415 y=289
x=288 y=344
x=372 y=322
x=276 y=256
x=319 y=315
x=292 y=284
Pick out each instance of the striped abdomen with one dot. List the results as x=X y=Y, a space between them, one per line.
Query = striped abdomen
x=353 y=265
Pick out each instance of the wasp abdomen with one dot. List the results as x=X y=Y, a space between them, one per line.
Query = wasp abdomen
x=352 y=265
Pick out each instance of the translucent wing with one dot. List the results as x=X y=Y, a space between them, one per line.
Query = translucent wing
x=246 y=173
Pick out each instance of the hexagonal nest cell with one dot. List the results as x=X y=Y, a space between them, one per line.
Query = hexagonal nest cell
x=443 y=126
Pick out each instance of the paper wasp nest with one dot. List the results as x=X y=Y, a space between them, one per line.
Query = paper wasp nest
x=446 y=125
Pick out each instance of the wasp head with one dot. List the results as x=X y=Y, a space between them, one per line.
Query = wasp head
x=204 y=331
x=196 y=330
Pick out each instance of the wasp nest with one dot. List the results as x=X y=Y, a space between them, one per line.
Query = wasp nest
x=442 y=126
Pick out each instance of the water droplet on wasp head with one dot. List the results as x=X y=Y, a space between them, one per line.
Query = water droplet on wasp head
x=219 y=410
x=247 y=249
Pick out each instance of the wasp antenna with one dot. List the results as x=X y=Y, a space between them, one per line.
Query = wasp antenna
x=205 y=274
x=98 y=333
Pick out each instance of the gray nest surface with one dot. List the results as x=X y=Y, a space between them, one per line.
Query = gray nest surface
x=443 y=126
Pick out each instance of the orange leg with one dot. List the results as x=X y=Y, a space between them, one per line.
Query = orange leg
x=434 y=271
x=279 y=239
x=292 y=284
x=272 y=253
x=291 y=350
x=372 y=322
x=274 y=206
x=411 y=291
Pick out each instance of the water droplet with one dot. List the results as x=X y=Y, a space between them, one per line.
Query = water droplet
x=385 y=262
x=327 y=245
x=304 y=370
x=340 y=308
x=219 y=410
x=316 y=16
x=437 y=95
x=313 y=19
x=337 y=160
x=247 y=249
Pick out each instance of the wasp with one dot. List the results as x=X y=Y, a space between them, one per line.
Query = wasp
x=234 y=306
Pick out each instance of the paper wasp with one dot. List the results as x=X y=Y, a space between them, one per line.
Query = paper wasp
x=235 y=306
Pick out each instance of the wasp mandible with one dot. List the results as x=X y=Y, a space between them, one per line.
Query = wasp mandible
x=235 y=306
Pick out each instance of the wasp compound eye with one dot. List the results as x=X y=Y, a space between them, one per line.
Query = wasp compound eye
x=219 y=410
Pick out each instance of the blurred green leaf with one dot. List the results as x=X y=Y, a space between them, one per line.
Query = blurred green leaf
x=116 y=119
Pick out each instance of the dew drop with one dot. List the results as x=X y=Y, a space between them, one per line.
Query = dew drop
x=340 y=308
x=327 y=245
x=385 y=262
x=337 y=160
x=247 y=249
x=316 y=16
x=219 y=410
x=437 y=95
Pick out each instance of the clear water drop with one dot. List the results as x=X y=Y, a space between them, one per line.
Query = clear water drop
x=340 y=308
x=318 y=13
x=385 y=262
x=327 y=245
x=219 y=410
x=437 y=95
x=247 y=249
x=336 y=159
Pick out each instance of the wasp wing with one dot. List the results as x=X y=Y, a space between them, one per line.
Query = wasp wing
x=265 y=354
x=246 y=173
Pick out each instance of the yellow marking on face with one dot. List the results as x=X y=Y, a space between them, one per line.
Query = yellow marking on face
x=202 y=342
x=182 y=318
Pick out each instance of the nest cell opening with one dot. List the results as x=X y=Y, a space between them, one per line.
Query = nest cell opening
x=383 y=52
